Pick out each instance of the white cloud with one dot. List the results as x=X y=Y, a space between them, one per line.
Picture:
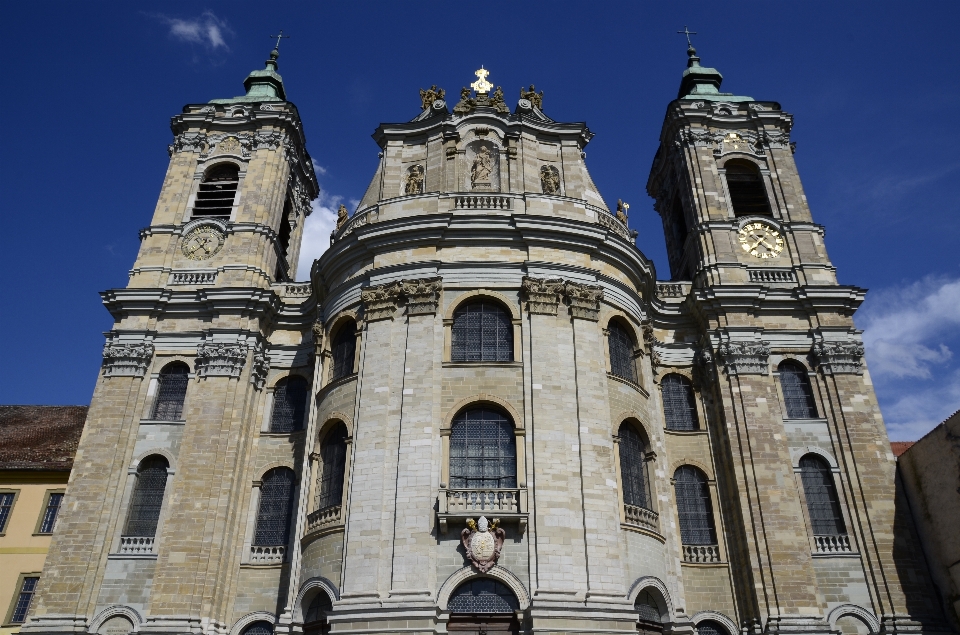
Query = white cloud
x=316 y=230
x=206 y=29
x=918 y=409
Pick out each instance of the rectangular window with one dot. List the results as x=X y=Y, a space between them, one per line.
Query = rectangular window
x=27 y=588
x=6 y=506
x=50 y=514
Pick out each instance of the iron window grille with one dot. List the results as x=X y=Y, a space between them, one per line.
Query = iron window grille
x=217 y=192
x=482 y=332
x=344 y=351
x=747 y=192
x=647 y=608
x=633 y=467
x=693 y=507
x=797 y=392
x=6 y=505
x=483 y=451
x=333 y=453
x=289 y=404
x=679 y=404
x=823 y=503
x=147 y=498
x=27 y=591
x=319 y=606
x=483 y=595
x=259 y=628
x=171 y=392
x=709 y=627
x=621 y=353
x=276 y=505
x=50 y=514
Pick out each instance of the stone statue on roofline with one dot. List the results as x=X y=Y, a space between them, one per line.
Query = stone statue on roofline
x=532 y=96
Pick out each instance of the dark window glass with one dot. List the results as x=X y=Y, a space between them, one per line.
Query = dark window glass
x=679 y=407
x=647 y=607
x=283 y=245
x=621 y=353
x=483 y=451
x=708 y=627
x=483 y=595
x=333 y=453
x=747 y=193
x=27 y=589
x=217 y=192
x=171 y=392
x=823 y=504
x=259 y=628
x=319 y=606
x=797 y=392
x=50 y=514
x=344 y=350
x=276 y=505
x=6 y=504
x=693 y=506
x=147 y=498
x=289 y=404
x=633 y=467
x=482 y=332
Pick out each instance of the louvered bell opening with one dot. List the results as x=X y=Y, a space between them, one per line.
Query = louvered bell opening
x=216 y=193
x=747 y=193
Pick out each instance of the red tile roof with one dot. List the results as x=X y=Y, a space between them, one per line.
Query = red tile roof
x=899 y=447
x=40 y=437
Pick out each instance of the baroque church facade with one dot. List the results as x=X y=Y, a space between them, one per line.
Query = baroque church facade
x=483 y=413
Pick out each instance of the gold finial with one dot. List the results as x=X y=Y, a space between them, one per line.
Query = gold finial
x=482 y=86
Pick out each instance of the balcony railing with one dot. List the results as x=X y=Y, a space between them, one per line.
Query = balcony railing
x=482 y=201
x=839 y=543
x=465 y=503
x=267 y=555
x=359 y=219
x=771 y=275
x=193 y=277
x=642 y=517
x=673 y=289
x=136 y=545
x=323 y=518
x=701 y=553
x=611 y=222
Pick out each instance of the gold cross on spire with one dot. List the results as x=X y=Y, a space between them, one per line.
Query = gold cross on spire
x=482 y=86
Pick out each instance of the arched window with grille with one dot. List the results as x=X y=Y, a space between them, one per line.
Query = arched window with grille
x=709 y=627
x=693 y=506
x=217 y=192
x=289 y=404
x=171 y=392
x=748 y=196
x=648 y=610
x=823 y=503
x=797 y=392
x=483 y=595
x=315 y=616
x=621 y=352
x=633 y=469
x=333 y=453
x=679 y=404
x=483 y=450
x=259 y=628
x=147 y=499
x=276 y=506
x=482 y=332
x=344 y=350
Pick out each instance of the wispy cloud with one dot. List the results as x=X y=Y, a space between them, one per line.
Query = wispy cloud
x=206 y=30
x=317 y=228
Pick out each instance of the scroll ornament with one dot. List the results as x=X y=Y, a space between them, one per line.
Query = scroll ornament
x=483 y=542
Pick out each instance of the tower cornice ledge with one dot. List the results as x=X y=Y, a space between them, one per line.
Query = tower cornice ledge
x=121 y=303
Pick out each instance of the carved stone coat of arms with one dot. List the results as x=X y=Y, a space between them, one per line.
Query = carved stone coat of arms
x=483 y=542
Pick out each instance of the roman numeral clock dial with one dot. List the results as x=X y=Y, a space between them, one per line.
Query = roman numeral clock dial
x=761 y=240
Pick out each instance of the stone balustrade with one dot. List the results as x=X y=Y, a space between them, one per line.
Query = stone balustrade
x=323 y=518
x=771 y=275
x=701 y=553
x=193 y=277
x=267 y=555
x=641 y=517
x=481 y=201
x=481 y=501
x=839 y=543
x=136 y=545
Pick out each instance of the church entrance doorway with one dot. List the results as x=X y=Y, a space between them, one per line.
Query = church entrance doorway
x=483 y=606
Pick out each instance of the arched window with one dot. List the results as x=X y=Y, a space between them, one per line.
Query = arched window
x=171 y=392
x=344 y=350
x=709 y=627
x=693 y=507
x=259 y=628
x=217 y=192
x=797 y=393
x=147 y=498
x=482 y=332
x=483 y=451
x=483 y=595
x=289 y=404
x=679 y=406
x=648 y=610
x=333 y=453
x=276 y=505
x=315 y=617
x=633 y=470
x=621 y=353
x=823 y=504
x=747 y=192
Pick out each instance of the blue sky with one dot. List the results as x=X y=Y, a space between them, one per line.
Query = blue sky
x=91 y=88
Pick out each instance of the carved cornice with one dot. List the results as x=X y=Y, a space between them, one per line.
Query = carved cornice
x=260 y=366
x=126 y=360
x=836 y=358
x=744 y=358
x=423 y=295
x=584 y=300
x=220 y=359
x=543 y=294
x=380 y=301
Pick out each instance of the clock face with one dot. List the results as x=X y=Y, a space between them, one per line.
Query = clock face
x=760 y=240
x=202 y=242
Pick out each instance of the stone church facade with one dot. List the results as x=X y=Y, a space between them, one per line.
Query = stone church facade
x=483 y=413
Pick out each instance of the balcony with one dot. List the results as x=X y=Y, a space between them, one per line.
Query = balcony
x=839 y=543
x=482 y=201
x=460 y=504
x=701 y=554
x=267 y=555
x=136 y=545
x=641 y=517
x=321 y=520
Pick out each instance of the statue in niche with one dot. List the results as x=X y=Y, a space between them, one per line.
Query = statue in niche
x=466 y=104
x=622 y=211
x=550 y=179
x=342 y=216
x=432 y=94
x=497 y=101
x=532 y=96
x=413 y=182
x=481 y=169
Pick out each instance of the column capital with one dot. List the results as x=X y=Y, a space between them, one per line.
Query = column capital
x=423 y=295
x=584 y=300
x=380 y=301
x=543 y=294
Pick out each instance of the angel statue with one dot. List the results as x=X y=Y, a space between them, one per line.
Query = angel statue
x=432 y=94
x=622 y=211
x=481 y=168
x=532 y=96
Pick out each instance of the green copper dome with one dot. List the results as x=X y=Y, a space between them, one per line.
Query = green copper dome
x=261 y=85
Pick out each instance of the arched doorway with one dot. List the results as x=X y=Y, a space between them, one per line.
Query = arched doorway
x=483 y=606
x=315 y=617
